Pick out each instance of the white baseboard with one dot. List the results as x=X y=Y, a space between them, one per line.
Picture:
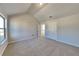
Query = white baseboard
x=19 y=40
x=75 y=45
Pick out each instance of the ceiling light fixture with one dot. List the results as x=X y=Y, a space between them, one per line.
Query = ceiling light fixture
x=41 y=3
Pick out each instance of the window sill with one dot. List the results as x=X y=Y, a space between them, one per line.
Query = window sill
x=3 y=42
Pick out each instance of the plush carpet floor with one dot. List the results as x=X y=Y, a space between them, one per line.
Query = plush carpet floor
x=40 y=47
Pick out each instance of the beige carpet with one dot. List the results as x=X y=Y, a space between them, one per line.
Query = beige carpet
x=40 y=47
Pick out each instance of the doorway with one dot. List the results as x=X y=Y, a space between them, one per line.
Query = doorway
x=42 y=30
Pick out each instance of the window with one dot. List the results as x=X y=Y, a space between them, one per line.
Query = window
x=2 y=28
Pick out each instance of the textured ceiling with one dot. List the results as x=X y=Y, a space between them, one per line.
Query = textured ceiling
x=14 y=8
x=54 y=11
x=41 y=12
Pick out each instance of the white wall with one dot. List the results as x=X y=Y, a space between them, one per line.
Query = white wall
x=67 y=29
x=51 y=29
x=22 y=27
x=39 y=30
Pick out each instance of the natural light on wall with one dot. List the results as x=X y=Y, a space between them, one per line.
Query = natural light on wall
x=43 y=30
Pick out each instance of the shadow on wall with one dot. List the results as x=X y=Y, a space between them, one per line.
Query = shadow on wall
x=22 y=27
x=67 y=30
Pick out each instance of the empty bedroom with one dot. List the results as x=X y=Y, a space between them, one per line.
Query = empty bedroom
x=39 y=29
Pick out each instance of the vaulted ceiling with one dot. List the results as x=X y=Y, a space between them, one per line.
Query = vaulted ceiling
x=14 y=8
x=55 y=11
x=41 y=12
